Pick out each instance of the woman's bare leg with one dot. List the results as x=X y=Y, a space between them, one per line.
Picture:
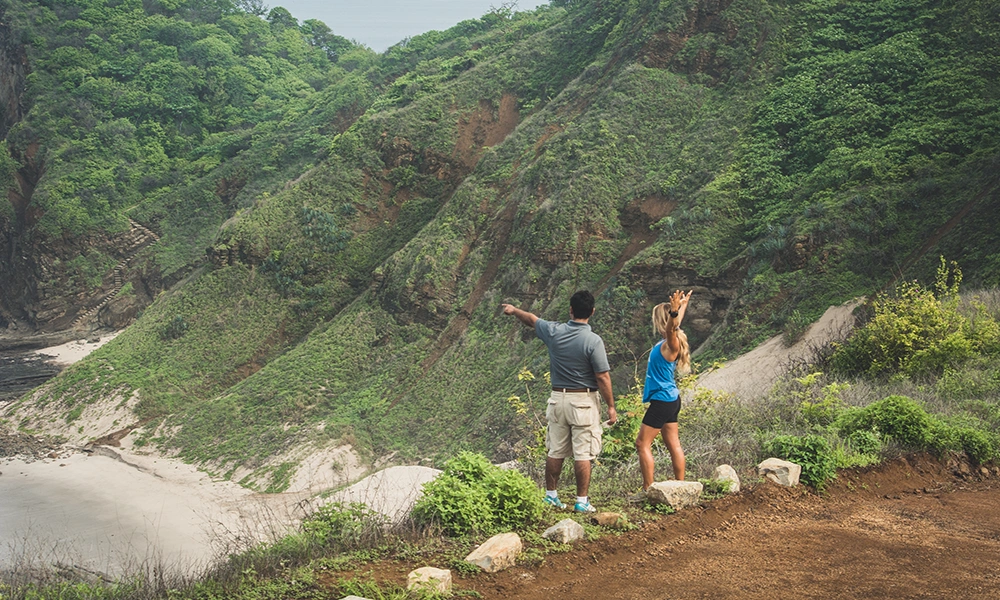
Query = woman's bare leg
x=644 y=446
x=672 y=439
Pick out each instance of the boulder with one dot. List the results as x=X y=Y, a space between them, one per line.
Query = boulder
x=612 y=520
x=497 y=553
x=678 y=494
x=429 y=579
x=780 y=471
x=564 y=532
x=727 y=473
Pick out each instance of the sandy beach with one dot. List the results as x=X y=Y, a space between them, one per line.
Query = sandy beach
x=74 y=351
x=115 y=510
x=103 y=514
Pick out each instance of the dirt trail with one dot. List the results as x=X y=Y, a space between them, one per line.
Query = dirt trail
x=754 y=373
x=907 y=529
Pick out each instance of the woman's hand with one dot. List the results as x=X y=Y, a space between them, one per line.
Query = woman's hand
x=676 y=300
x=685 y=298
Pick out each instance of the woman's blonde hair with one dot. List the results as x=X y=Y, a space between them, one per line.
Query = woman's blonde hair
x=660 y=318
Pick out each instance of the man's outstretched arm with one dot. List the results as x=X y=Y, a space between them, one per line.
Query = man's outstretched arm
x=525 y=317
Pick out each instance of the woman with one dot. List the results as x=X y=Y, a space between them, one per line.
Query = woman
x=671 y=356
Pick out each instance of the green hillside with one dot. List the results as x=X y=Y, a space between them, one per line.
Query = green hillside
x=365 y=215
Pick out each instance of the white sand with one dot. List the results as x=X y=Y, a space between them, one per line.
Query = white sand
x=755 y=373
x=391 y=492
x=113 y=513
x=71 y=352
x=122 y=508
x=105 y=515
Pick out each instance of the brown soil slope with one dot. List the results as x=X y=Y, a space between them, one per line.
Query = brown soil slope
x=908 y=529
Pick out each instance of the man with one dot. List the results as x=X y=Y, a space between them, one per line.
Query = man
x=578 y=368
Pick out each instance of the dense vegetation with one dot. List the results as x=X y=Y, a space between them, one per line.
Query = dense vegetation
x=366 y=214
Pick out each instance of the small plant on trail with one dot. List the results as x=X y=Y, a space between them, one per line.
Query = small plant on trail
x=794 y=328
x=474 y=496
x=811 y=452
x=713 y=489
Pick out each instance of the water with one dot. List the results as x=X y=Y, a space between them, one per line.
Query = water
x=21 y=372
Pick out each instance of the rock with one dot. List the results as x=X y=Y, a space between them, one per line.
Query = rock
x=727 y=473
x=353 y=598
x=497 y=553
x=780 y=471
x=610 y=519
x=984 y=471
x=677 y=494
x=564 y=532
x=429 y=579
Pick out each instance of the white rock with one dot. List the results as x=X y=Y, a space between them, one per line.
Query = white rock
x=564 y=532
x=678 y=494
x=430 y=579
x=780 y=471
x=353 y=598
x=496 y=553
x=727 y=473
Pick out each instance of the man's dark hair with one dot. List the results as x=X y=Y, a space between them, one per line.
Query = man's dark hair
x=582 y=304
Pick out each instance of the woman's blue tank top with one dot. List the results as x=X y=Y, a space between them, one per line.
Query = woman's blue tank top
x=660 y=384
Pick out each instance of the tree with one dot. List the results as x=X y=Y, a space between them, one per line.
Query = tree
x=253 y=7
x=318 y=34
x=280 y=18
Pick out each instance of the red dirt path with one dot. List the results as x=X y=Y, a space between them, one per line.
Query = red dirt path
x=908 y=529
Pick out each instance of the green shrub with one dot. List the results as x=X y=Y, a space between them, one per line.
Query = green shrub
x=343 y=526
x=918 y=332
x=895 y=417
x=474 y=496
x=864 y=442
x=811 y=452
x=902 y=419
x=618 y=442
x=943 y=437
x=980 y=446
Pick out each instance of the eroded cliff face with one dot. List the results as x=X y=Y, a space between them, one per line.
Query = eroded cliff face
x=67 y=283
x=13 y=77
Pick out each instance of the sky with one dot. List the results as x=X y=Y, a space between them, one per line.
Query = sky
x=379 y=24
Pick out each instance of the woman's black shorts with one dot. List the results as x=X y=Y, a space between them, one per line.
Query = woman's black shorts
x=660 y=413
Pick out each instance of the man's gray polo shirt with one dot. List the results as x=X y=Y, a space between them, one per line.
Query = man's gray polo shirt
x=576 y=353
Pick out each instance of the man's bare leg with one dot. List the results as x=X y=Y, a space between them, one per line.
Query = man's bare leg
x=581 y=468
x=553 y=467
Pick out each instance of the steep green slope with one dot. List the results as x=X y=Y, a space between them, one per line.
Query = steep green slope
x=173 y=114
x=776 y=157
